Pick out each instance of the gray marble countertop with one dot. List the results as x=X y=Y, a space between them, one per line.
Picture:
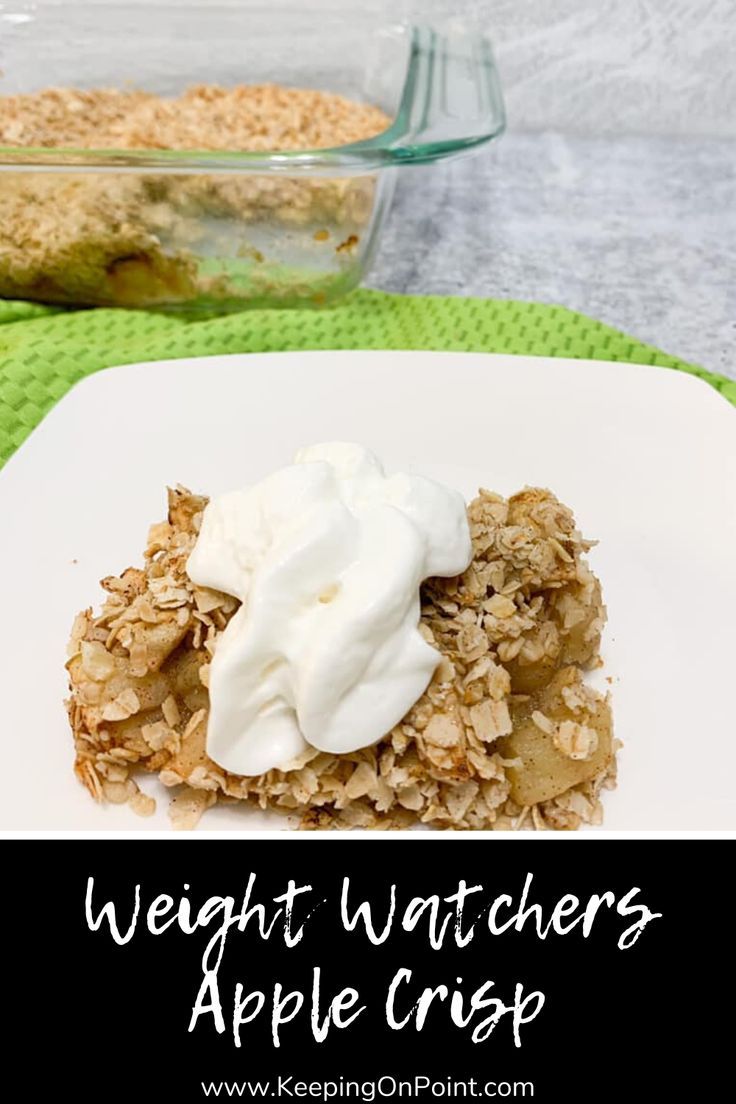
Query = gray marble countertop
x=639 y=232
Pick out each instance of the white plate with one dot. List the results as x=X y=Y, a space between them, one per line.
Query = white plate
x=646 y=458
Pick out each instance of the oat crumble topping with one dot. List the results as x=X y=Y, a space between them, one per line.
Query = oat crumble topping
x=248 y=117
x=506 y=736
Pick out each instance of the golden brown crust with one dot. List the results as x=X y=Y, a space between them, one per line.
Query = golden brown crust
x=506 y=735
x=204 y=117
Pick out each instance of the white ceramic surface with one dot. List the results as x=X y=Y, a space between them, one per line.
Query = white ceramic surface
x=646 y=457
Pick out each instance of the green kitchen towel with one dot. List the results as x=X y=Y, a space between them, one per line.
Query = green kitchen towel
x=45 y=350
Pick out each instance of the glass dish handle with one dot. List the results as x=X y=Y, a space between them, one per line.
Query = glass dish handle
x=451 y=101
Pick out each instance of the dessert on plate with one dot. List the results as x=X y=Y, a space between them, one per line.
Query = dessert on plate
x=355 y=650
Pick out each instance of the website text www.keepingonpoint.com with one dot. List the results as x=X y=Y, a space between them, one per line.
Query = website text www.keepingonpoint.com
x=382 y=1088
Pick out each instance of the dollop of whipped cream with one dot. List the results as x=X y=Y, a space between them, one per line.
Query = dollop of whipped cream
x=327 y=557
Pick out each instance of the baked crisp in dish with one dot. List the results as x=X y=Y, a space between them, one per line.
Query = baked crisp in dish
x=149 y=238
x=507 y=735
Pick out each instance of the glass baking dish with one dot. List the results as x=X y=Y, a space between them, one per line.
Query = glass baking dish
x=224 y=230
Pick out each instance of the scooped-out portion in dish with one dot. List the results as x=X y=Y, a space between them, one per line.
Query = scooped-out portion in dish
x=506 y=735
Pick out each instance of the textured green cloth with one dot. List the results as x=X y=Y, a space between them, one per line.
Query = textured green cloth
x=44 y=350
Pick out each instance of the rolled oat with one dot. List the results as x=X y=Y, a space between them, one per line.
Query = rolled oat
x=505 y=737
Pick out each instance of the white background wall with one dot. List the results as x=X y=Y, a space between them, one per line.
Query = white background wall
x=584 y=66
x=612 y=66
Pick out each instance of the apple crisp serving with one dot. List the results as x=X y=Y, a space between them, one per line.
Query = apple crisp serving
x=507 y=734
